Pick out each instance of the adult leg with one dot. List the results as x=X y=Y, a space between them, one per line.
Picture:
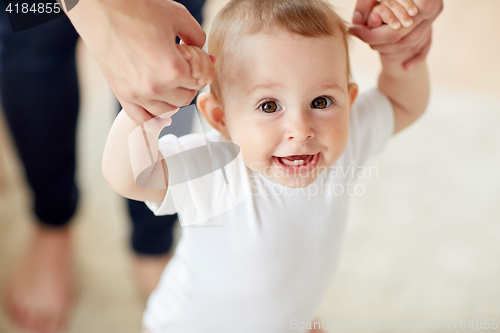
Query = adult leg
x=39 y=91
x=152 y=236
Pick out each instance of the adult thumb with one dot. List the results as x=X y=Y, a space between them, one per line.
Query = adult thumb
x=363 y=9
x=189 y=30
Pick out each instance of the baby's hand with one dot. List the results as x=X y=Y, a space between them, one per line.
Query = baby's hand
x=202 y=64
x=395 y=13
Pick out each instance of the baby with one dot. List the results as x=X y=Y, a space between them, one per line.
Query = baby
x=282 y=93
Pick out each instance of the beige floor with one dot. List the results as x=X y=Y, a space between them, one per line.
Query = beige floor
x=422 y=244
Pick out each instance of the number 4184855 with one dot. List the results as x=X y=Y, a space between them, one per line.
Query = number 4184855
x=473 y=323
x=39 y=8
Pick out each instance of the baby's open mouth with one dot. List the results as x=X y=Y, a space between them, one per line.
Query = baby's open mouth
x=294 y=164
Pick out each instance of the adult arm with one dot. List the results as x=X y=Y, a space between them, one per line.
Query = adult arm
x=134 y=44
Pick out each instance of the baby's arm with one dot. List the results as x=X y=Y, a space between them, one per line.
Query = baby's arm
x=116 y=163
x=117 y=167
x=408 y=90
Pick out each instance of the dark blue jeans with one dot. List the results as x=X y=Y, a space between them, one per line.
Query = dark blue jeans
x=40 y=96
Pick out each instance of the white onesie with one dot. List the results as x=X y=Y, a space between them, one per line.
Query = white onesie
x=271 y=257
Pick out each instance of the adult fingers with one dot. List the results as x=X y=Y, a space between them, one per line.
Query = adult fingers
x=176 y=95
x=429 y=8
x=379 y=36
x=363 y=9
x=408 y=65
x=416 y=40
x=188 y=29
x=409 y=45
x=137 y=113
x=374 y=21
x=157 y=108
x=188 y=83
x=405 y=53
x=173 y=98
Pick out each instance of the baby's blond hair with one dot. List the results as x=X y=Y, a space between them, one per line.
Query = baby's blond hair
x=240 y=18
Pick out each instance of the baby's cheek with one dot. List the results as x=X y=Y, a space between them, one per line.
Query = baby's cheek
x=340 y=144
x=254 y=147
x=248 y=158
x=340 y=130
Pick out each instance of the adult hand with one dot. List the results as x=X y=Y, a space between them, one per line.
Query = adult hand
x=134 y=44
x=410 y=45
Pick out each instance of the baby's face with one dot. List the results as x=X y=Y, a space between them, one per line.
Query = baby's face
x=288 y=105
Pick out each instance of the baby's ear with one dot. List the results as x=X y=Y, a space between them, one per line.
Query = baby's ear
x=353 y=93
x=212 y=110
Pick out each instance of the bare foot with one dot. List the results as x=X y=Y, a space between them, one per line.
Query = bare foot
x=148 y=270
x=316 y=330
x=38 y=297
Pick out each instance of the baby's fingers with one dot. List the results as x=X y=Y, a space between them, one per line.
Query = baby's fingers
x=195 y=62
x=393 y=14
x=202 y=65
x=208 y=70
x=409 y=6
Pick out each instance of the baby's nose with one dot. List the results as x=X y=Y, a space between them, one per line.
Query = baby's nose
x=299 y=127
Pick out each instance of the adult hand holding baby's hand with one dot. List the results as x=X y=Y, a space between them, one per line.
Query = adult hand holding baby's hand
x=409 y=44
x=134 y=44
x=395 y=13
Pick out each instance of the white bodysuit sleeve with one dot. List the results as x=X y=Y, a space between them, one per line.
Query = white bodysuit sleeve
x=205 y=178
x=170 y=145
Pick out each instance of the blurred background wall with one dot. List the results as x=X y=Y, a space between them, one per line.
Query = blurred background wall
x=422 y=243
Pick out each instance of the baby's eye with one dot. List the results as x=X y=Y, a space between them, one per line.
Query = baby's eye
x=270 y=106
x=321 y=102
